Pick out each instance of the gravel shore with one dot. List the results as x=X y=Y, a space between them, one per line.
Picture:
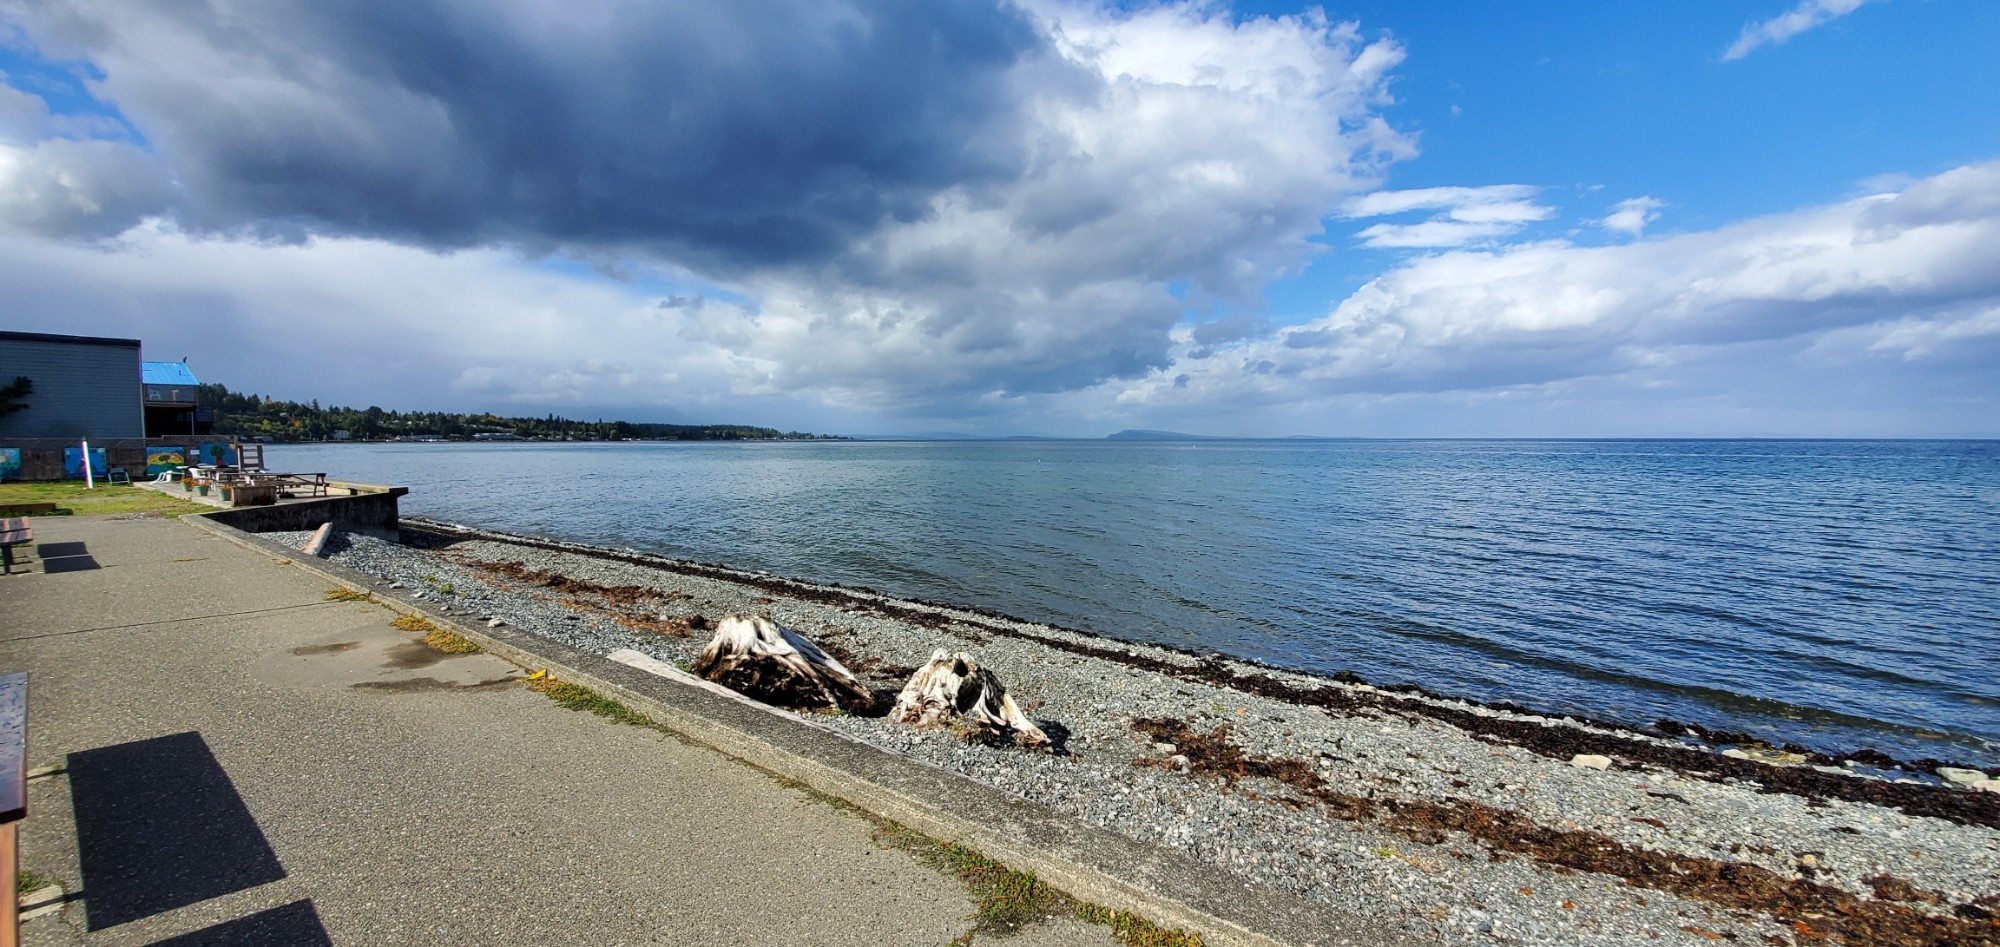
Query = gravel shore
x=1460 y=823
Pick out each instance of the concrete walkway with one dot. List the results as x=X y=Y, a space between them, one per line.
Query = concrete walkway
x=248 y=763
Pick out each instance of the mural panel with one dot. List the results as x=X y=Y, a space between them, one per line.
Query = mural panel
x=73 y=462
x=221 y=455
x=159 y=460
x=10 y=463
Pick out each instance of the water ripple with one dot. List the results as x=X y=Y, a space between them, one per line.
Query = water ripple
x=1835 y=593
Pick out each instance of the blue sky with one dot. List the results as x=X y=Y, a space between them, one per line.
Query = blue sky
x=1601 y=101
x=1058 y=217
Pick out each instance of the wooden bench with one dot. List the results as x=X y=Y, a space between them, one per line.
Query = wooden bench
x=13 y=532
x=13 y=797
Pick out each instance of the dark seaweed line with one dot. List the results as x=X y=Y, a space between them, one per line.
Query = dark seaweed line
x=1813 y=910
x=1557 y=742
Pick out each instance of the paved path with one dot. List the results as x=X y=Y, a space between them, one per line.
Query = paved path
x=249 y=763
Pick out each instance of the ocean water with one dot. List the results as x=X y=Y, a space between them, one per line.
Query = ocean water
x=1839 y=594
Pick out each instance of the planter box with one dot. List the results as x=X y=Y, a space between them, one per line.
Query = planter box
x=253 y=495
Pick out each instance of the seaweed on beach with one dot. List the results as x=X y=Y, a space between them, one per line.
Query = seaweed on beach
x=624 y=604
x=615 y=594
x=671 y=627
x=1343 y=699
x=1813 y=910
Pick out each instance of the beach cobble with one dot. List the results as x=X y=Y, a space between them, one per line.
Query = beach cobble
x=1445 y=885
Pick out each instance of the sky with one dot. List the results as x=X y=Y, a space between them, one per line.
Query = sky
x=1053 y=217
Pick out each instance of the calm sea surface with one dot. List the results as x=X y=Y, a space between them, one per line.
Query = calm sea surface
x=1835 y=593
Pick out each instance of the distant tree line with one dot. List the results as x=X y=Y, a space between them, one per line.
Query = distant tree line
x=245 y=415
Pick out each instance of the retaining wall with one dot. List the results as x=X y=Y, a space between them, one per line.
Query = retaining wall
x=355 y=507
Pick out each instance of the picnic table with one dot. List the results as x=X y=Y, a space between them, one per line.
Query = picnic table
x=279 y=484
x=292 y=484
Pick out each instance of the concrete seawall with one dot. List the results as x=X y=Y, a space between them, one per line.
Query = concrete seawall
x=367 y=508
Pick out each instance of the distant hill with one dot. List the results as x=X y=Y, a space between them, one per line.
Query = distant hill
x=246 y=415
x=951 y=436
x=1139 y=435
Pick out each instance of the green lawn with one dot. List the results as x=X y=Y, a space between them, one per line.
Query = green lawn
x=71 y=495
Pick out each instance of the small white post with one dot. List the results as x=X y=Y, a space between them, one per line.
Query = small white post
x=89 y=479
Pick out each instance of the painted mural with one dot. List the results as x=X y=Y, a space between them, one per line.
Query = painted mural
x=73 y=462
x=159 y=460
x=220 y=455
x=10 y=463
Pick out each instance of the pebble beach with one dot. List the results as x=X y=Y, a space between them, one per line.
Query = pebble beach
x=1457 y=822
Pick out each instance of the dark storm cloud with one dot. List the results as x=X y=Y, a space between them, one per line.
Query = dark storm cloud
x=743 y=133
x=924 y=204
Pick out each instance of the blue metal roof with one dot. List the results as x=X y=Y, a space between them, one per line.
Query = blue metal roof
x=166 y=373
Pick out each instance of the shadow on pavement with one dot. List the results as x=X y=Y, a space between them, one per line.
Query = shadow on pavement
x=294 y=925
x=159 y=826
x=65 y=557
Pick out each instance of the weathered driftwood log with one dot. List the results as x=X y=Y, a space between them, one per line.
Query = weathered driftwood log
x=756 y=657
x=952 y=688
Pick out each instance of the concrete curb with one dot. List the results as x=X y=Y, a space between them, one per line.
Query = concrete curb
x=1091 y=863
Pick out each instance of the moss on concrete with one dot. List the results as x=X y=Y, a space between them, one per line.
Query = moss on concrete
x=579 y=697
x=449 y=642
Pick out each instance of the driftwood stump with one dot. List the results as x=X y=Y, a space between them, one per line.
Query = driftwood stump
x=952 y=688
x=756 y=657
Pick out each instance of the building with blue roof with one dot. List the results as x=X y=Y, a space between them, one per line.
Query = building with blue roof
x=173 y=396
x=166 y=374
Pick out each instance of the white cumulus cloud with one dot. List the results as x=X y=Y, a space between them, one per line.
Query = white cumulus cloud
x=1630 y=216
x=1781 y=28
x=1910 y=272
x=1462 y=215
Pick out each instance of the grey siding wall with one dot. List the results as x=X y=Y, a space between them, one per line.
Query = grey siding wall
x=83 y=387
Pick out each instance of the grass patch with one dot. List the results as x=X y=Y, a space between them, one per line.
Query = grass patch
x=72 y=496
x=29 y=882
x=1006 y=900
x=414 y=622
x=579 y=697
x=1136 y=931
x=345 y=594
x=449 y=642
